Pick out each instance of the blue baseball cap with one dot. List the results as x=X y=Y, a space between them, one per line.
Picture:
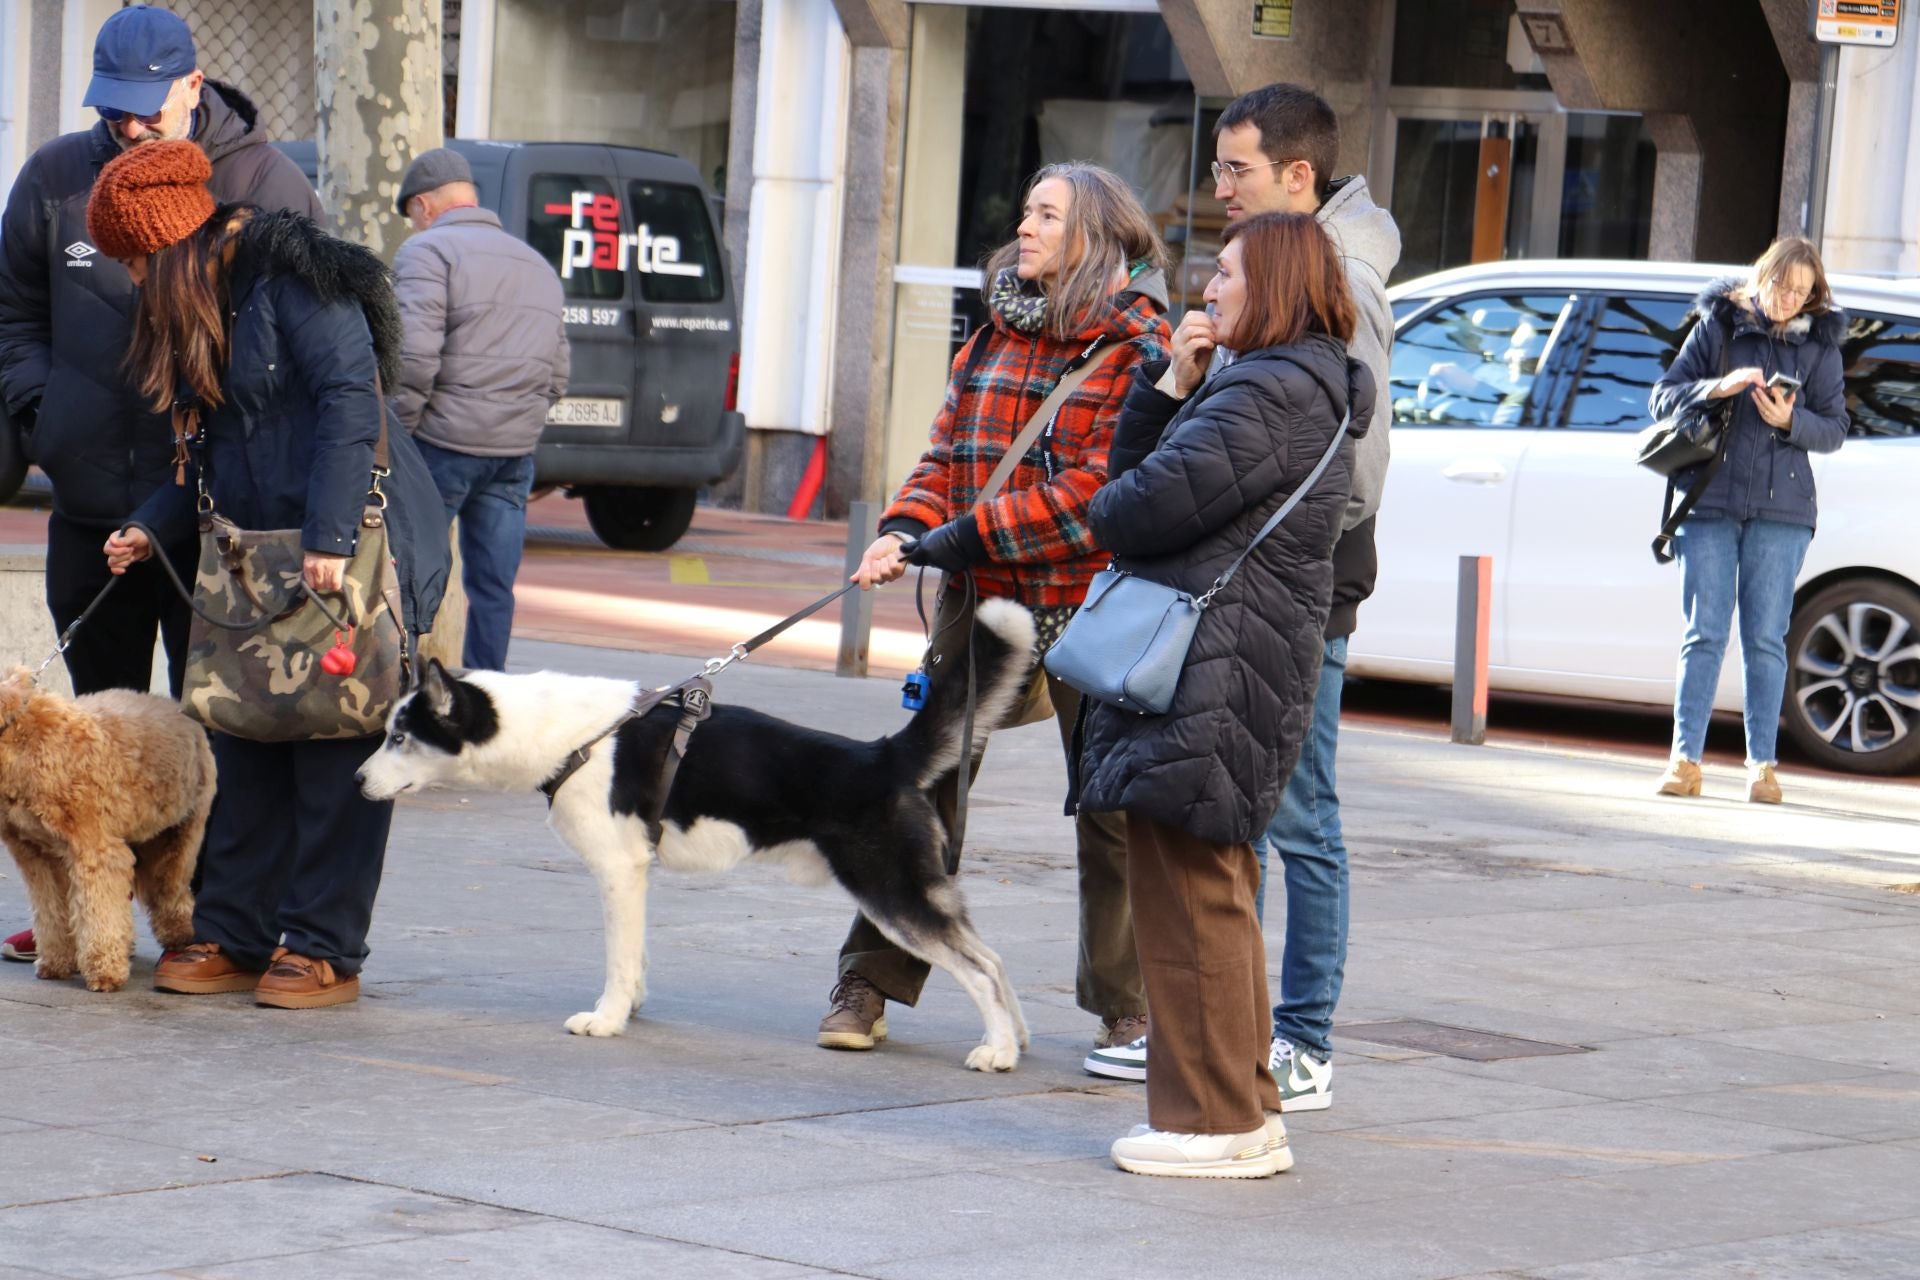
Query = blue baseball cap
x=137 y=56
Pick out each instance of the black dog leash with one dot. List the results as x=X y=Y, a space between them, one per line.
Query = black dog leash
x=66 y=636
x=696 y=701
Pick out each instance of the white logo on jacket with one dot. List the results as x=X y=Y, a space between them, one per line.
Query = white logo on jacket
x=78 y=252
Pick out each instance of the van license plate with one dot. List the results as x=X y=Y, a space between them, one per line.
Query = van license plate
x=578 y=411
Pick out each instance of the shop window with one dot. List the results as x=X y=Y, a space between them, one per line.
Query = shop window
x=1606 y=210
x=1635 y=341
x=677 y=255
x=574 y=221
x=1882 y=361
x=1473 y=363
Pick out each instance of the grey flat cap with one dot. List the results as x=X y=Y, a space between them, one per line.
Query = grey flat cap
x=430 y=171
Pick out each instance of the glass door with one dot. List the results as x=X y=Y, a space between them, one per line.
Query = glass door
x=1465 y=189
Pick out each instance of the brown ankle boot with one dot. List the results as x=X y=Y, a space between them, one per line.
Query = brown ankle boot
x=201 y=969
x=300 y=982
x=1763 y=785
x=858 y=1018
x=1682 y=778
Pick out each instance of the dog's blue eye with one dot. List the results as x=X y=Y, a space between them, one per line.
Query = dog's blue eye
x=396 y=738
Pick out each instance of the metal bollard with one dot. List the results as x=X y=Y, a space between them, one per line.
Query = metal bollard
x=1473 y=628
x=856 y=607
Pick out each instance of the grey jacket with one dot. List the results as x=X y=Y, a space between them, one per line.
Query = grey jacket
x=485 y=352
x=1369 y=245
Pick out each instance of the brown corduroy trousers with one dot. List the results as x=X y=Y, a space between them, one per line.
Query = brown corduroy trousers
x=1205 y=964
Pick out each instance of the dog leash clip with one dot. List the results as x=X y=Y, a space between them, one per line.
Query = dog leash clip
x=716 y=665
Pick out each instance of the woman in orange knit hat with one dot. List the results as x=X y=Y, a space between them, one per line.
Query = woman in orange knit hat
x=275 y=332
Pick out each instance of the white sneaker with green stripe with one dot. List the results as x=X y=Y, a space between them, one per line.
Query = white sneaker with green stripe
x=1306 y=1081
x=1119 y=1062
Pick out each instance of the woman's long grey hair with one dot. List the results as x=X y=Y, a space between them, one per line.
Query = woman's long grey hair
x=1109 y=231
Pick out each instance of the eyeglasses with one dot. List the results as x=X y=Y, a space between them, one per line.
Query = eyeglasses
x=113 y=115
x=1232 y=173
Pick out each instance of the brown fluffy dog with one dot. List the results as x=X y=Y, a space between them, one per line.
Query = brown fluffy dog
x=100 y=796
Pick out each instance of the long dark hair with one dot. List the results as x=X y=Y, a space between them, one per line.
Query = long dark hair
x=180 y=332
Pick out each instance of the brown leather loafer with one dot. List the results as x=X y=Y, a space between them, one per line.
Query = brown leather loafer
x=202 y=969
x=295 y=981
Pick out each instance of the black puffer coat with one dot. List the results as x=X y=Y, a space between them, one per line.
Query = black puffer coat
x=292 y=444
x=66 y=309
x=1188 y=491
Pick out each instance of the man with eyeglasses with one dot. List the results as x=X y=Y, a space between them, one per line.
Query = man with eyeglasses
x=1274 y=149
x=65 y=323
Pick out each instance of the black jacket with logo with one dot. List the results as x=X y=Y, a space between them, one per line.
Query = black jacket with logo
x=66 y=309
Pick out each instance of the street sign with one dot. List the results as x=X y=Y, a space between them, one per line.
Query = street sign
x=1869 y=22
x=1273 y=19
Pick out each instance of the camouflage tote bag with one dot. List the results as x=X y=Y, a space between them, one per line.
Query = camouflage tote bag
x=272 y=661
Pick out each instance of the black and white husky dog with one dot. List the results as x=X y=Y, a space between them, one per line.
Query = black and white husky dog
x=750 y=786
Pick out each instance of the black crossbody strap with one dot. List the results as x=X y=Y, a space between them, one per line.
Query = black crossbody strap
x=1671 y=517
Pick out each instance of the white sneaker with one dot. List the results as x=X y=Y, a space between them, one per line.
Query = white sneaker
x=1120 y=1062
x=1277 y=1142
x=1198 y=1155
x=1306 y=1081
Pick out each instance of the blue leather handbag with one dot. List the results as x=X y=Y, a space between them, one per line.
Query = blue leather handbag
x=1127 y=644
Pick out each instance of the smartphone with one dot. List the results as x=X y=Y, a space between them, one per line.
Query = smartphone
x=1784 y=383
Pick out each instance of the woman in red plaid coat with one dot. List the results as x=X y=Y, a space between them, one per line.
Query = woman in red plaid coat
x=1084 y=282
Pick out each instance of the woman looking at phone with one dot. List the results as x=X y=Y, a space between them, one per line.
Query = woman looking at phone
x=1778 y=332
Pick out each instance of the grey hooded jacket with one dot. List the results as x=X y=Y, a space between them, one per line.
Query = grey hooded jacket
x=1369 y=245
x=486 y=348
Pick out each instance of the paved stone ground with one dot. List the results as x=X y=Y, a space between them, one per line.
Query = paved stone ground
x=1742 y=983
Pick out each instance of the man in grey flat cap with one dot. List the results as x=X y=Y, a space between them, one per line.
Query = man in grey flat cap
x=485 y=356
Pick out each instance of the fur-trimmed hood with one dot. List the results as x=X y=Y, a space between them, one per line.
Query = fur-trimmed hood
x=1722 y=303
x=292 y=245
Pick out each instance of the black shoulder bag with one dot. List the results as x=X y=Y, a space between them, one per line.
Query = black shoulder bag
x=1700 y=433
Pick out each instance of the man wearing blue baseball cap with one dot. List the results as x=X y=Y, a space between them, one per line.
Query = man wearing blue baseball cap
x=65 y=323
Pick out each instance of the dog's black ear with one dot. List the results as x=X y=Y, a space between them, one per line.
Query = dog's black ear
x=437 y=688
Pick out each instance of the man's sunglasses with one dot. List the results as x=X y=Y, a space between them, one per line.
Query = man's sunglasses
x=113 y=115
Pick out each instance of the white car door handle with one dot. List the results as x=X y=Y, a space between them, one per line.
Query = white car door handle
x=1475 y=471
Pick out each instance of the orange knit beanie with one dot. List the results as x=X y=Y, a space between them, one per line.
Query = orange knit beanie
x=148 y=198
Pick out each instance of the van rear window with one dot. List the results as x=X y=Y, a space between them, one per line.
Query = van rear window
x=677 y=256
x=574 y=222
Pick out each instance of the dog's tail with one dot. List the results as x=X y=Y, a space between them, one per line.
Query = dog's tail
x=1003 y=636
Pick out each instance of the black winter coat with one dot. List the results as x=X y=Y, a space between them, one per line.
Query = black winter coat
x=66 y=310
x=292 y=443
x=1190 y=484
x=1766 y=475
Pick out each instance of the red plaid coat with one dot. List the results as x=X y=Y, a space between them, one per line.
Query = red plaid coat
x=1042 y=552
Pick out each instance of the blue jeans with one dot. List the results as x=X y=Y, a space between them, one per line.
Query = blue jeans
x=1752 y=563
x=489 y=495
x=1313 y=858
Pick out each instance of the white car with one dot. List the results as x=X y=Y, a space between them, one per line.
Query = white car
x=1518 y=389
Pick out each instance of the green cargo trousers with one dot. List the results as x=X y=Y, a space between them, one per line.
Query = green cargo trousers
x=1108 y=982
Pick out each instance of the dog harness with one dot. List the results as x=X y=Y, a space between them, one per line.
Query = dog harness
x=695 y=695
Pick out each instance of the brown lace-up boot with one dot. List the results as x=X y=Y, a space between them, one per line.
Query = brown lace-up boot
x=858 y=1018
x=1682 y=778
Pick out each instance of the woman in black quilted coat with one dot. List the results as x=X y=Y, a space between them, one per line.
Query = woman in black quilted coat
x=1195 y=472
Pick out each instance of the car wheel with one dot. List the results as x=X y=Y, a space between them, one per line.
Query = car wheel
x=1853 y=677
x=13 y=461
x=639 y=519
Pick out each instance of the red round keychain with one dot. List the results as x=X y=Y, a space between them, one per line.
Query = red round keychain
x=339 y=660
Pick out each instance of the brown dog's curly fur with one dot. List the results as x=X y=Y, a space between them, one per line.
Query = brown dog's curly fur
x=99 y=796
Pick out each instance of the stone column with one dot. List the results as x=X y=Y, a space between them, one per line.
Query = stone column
x=377 y=81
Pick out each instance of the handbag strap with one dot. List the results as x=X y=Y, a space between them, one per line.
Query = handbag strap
x=1273 y=521
x=1078 y=370
x=1671 y=518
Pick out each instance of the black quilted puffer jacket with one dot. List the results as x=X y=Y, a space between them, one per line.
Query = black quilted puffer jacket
x=1190 y=484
